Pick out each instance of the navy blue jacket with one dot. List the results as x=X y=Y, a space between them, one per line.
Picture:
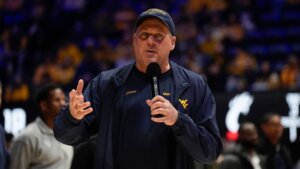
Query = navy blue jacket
x=196 y=132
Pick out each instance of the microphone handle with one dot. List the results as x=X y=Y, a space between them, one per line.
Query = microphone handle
x=156 y=92
x=155 y=86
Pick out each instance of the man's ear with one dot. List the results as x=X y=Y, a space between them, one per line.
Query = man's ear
x=133 y=38
x=43 y=106
x=172 y=47
x=173 y=42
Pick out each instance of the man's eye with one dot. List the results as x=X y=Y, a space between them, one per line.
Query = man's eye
x=158 y=37
x=144 y=35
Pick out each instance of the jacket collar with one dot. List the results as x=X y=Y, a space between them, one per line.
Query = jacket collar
x=122 y=74
x=181 y=81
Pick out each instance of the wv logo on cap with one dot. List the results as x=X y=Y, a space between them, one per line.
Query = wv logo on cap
x=155 y=10
x=183 y=103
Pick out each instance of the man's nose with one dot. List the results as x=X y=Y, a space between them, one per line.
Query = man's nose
x=151 y=41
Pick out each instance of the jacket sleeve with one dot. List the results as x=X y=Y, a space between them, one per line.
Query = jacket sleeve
x=71 y=131
x=197 y=132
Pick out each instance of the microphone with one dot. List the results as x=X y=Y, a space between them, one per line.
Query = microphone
x=153 y=70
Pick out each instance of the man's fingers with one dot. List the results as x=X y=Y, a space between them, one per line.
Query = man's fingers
x=158 y=98
x=83 y=105
x=157 y=105
x=76 y=100
x=72 y=93
x=159 y=119
x=158 y=111
x=86 y=111
x=79 y=87
x=79 y=110
x=149 y=103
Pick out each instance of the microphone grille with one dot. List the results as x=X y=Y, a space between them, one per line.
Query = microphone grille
x=153 y=69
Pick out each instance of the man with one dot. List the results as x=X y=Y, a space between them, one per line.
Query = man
x=134 y=129
x=3 y=150
x=278 y=155
x=244 y=155
x=36 y=146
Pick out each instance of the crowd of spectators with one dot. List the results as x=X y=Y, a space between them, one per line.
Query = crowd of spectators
x=237 y=45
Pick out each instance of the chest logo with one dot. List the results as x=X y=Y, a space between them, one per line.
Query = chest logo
x=130 y=92
x=184 y=103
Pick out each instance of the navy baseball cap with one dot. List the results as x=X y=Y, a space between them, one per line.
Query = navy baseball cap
x=159 y=14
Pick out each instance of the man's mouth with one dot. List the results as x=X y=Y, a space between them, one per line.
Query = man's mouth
x=151 y=51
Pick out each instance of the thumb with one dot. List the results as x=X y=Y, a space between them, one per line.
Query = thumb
x=149 y=102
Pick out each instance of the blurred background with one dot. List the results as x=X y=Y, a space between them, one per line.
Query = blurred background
x=248 y=50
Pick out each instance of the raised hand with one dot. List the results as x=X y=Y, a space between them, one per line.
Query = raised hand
x=77 y=106
x=161 y=106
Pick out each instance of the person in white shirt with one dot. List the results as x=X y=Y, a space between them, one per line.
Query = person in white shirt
x=36 y=147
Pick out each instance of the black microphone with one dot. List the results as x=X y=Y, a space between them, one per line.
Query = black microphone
x=153 y=70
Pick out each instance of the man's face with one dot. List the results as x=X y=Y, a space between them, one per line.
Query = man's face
x=152 y=42
x=54 y=103
x=273 y=129
x=248 y=136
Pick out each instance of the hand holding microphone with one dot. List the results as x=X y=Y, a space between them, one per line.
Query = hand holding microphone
x=162 y=110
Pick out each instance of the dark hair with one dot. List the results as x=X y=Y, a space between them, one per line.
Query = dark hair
x=267 y=117
x=44 y=92
x=243 y=124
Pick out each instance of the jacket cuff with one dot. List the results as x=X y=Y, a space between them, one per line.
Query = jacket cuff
x=70 y=119
x=178 y=127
